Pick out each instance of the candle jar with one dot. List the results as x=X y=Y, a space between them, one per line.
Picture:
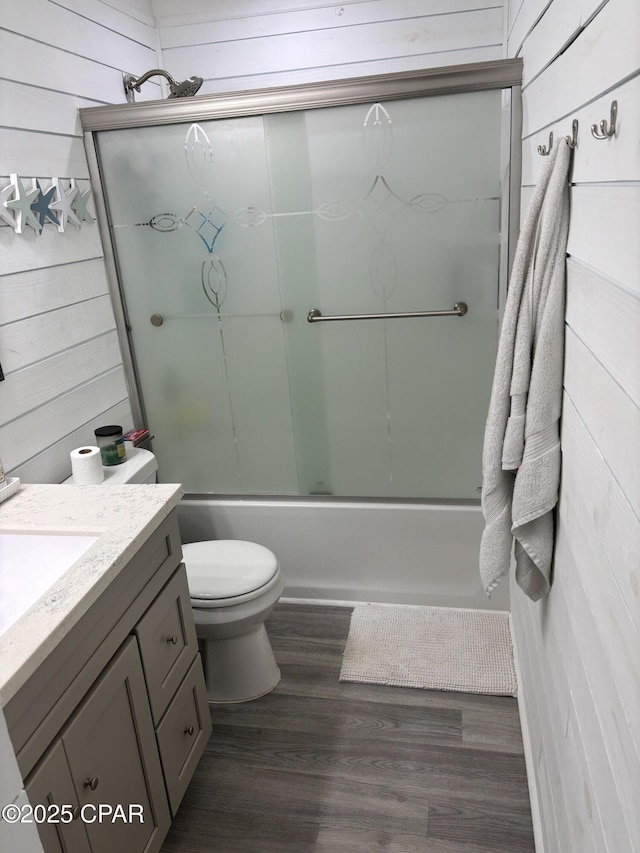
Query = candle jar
x=109 y=440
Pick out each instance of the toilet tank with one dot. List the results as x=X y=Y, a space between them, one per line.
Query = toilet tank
x=141 y=467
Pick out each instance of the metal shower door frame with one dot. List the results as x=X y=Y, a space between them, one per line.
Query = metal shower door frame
x=504 y=74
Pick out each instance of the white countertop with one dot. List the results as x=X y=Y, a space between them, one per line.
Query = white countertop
x=122 y=517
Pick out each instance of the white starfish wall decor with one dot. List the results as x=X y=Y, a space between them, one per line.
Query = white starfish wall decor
x=80 y=202
x=6 y=215
x=21 y=204
x=64 y=205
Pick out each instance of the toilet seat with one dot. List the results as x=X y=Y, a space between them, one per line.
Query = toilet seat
x=222 y=570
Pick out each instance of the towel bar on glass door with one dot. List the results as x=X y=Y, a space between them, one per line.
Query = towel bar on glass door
x=459 y=310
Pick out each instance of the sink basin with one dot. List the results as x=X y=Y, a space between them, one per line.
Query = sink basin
x=30 y=564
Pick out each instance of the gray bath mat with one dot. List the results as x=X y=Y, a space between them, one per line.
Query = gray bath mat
x=437 y=648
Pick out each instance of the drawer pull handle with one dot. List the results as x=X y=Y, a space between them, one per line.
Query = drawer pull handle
x=91 y=783
x=76 y=812
x=189 y=730
x=173 y=640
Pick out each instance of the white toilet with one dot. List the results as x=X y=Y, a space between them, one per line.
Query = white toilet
x=234 y=585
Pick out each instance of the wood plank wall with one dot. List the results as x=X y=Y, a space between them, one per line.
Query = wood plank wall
x=248 y=45
x=579 y=650
x=58 y=345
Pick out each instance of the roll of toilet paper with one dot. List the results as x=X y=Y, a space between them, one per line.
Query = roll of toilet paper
x=86 y=466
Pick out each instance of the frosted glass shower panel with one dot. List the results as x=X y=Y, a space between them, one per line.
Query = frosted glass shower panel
x=403 y=204
x=183 y=203
x=228 y=232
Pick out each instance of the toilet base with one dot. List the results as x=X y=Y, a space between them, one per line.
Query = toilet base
x=239 y=668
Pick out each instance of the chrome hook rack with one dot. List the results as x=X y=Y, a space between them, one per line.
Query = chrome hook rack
x=604 y=132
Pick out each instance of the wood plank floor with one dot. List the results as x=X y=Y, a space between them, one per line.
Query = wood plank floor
x=320 y=766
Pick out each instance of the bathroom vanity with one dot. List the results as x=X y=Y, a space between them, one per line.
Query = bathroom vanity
x=100 y=679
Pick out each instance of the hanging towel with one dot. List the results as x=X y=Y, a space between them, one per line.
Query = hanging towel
x=521 y=454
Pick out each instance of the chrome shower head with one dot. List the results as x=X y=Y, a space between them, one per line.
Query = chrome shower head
x=177 y=90
x=186 y=89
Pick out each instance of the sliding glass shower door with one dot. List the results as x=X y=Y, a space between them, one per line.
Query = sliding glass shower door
x=228 y=232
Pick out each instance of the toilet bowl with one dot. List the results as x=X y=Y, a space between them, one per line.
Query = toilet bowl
x=233 y=585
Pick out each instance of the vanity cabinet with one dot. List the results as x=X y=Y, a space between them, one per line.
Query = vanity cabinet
x=118 y=714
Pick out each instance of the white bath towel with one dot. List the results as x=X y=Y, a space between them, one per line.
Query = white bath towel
x=521 y=455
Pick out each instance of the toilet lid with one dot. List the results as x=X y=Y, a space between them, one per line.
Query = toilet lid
x=223 y=568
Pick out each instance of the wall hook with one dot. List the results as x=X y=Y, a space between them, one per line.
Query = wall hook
x=603 y=132
x=572 y=140
x=545 y=150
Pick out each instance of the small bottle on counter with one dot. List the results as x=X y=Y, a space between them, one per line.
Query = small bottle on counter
x=111 y=443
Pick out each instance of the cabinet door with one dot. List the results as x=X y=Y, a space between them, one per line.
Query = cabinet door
x=113 y=757
x=50 y=783
x=168 y=644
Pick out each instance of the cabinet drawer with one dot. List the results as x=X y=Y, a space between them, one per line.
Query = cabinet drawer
x=168 y=644
x=183 y=733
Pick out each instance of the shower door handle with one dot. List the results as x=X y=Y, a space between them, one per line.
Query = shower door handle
x=458 y=310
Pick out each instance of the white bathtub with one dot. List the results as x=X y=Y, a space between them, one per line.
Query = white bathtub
x=399 y=553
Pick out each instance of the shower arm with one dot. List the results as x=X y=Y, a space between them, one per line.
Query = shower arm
x=130 y=82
